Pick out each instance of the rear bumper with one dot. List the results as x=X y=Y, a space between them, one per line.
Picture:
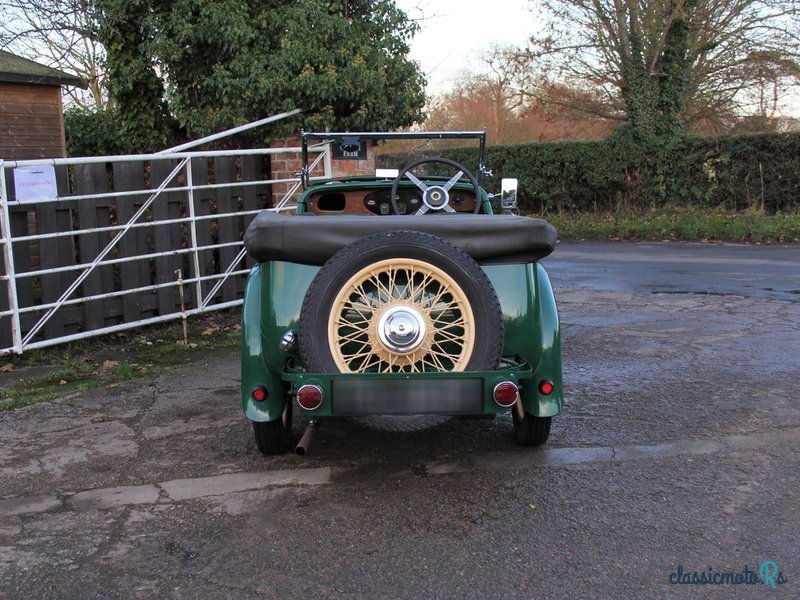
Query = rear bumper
x=464 y=393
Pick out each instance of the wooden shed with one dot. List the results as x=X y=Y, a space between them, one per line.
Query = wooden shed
x=31 y=112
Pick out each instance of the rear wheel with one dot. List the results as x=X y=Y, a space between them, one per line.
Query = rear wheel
x=274 y=437
x=531 y=430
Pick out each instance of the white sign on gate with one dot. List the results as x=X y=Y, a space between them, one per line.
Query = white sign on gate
x=35 y=184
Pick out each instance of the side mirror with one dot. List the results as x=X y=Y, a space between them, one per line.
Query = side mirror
x=508 y=196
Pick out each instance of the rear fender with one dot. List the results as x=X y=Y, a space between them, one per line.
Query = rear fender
x=272 y=300
x=548 y=331
x=532 y=330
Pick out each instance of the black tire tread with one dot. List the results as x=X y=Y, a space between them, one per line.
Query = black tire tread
x=532 y=430
x=271 y=437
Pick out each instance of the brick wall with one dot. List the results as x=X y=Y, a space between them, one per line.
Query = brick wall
x=285 y=166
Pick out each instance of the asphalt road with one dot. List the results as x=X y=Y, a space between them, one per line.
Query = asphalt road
x=676 y=452
x=770 y=272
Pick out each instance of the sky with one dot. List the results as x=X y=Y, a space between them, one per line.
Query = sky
x=454 y=32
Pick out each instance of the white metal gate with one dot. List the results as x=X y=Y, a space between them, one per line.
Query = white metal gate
x=108 y=254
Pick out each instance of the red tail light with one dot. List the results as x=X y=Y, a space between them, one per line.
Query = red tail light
x=546 y=387
x=505 y=394
x=259 y=393
x=309 y=397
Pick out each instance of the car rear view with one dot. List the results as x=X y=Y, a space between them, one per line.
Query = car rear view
x=396 y=296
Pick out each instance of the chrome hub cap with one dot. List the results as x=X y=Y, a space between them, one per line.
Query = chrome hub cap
x=401 y=329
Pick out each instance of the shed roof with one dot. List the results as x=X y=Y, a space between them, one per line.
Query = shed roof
x=15 y=69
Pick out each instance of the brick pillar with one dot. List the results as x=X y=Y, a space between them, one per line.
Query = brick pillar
x=343 y=168
x=286 y=165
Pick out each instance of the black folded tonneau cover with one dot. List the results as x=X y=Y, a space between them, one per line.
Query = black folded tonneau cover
x=311 y=239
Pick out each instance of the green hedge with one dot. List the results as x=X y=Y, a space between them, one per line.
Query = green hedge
x=750 y=171
x=97 y=133
x=93 y=133
x=758 y=171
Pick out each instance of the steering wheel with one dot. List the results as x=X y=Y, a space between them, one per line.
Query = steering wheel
x=435 y=197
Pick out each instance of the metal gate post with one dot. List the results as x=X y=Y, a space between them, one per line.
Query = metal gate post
x=198 y=290
x=8 y=259
x=328 y=164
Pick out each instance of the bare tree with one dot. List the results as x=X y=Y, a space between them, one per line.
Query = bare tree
x=498 y=97
x=60 y=33
x=666 y=64
x=491 y=97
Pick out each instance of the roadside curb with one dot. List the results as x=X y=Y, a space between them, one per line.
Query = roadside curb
x=174 y=490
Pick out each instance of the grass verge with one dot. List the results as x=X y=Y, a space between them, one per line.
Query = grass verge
x=679 y=223
x=49 y=373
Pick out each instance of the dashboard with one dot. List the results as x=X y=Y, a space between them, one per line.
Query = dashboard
x=376 y=202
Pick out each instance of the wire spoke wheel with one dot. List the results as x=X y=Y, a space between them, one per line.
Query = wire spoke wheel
x=400 y=302
x=401 y=315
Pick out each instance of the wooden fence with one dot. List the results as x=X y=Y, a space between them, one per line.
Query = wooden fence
x=221 y=215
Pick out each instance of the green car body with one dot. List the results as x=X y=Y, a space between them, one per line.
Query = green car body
x=272 y=308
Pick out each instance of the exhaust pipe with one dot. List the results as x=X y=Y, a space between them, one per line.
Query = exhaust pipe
x=308 y=437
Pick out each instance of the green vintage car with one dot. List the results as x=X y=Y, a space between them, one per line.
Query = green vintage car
x=399 y=294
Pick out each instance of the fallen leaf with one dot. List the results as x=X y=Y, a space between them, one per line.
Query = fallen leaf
x=110 y=364
x=98 y=418
x=6 y=368
x=192 y=345
x=210 y=330
x=62 y=382
x=533 y=506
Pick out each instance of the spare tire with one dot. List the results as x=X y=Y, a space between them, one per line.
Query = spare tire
x=400 y=301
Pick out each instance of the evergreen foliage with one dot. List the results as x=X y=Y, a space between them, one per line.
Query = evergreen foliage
x=760 y=172
x=187 y=68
